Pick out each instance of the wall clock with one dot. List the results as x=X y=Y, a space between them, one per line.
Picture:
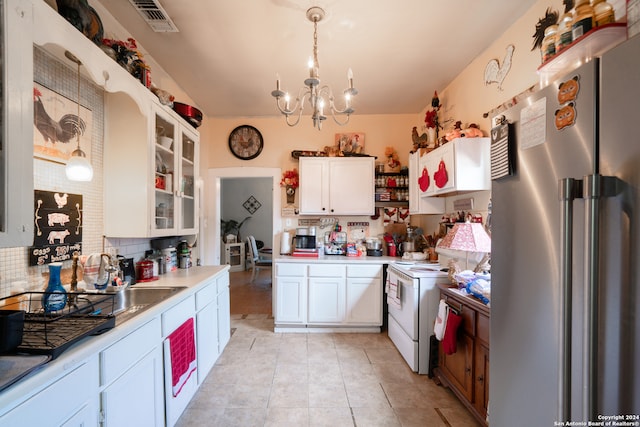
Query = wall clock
x=245 y=142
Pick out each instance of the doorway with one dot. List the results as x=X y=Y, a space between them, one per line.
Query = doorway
x=213 y=210
x=254 y=294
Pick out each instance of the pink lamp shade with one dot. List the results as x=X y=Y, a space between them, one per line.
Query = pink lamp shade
x=467 y=237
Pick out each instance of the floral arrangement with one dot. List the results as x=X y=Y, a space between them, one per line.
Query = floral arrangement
x=290 y=179
x=393 y=161
x=127 y=55
x=431 y=118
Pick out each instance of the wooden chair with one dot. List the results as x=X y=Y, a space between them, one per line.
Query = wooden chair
x=255 y=259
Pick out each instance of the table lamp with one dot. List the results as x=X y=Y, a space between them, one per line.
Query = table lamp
x=465 y=239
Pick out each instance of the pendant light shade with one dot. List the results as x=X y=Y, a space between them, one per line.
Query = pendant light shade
x=78 y=166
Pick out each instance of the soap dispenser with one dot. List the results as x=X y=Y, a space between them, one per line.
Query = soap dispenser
x=55 y=296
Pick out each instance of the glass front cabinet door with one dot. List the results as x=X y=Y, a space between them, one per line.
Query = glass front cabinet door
x=175 y=193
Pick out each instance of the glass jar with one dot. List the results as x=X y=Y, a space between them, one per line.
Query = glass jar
x=582 y=20
x=549 y=43
x=564 y=36
x=602 y=13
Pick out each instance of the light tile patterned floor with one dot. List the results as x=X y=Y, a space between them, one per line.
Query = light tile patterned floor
x=271 y=379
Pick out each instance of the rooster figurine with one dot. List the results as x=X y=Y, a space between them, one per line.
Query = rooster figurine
x=83 y=17
x=418 y=141
x=69 y=126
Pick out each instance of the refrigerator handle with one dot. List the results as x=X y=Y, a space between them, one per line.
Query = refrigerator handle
x=595 y=187
x=568 y=190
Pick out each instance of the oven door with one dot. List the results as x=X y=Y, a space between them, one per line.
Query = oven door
x=407 y=315
x=403 y=320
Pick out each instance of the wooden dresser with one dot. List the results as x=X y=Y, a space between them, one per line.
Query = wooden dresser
x=466 y=371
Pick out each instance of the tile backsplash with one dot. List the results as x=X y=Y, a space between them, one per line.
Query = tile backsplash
x=50 y=176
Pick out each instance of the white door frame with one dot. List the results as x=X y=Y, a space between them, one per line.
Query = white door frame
x=210 y=228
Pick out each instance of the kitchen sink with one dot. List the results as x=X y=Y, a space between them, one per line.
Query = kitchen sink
x=131 y=301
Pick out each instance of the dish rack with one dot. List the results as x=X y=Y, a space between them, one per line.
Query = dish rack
x=53 y=332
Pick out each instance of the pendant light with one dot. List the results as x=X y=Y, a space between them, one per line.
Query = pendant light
x=78 y=166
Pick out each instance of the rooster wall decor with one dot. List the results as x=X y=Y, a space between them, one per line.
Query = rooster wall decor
x=57 y=125
x=496 y=73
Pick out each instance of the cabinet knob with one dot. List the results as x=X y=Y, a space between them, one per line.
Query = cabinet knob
x=480 y=379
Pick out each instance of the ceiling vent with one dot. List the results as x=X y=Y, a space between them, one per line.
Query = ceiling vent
x=153 y=13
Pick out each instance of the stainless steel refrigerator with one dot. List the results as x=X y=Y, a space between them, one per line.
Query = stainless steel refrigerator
x=565 y=337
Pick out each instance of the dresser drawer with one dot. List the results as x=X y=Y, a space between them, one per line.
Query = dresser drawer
x=483 y=328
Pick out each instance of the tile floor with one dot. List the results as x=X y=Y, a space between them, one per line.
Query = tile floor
x=268 y=379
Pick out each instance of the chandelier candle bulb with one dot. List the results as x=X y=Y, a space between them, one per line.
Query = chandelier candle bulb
x=350 y=78
x=277 y=81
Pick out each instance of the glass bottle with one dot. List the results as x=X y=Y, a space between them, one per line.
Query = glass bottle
x=602 y=13
x=564 y=37
x=582 y=20
x=55 y=297
x=549 y=43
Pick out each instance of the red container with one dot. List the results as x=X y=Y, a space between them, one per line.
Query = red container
x=144 y=271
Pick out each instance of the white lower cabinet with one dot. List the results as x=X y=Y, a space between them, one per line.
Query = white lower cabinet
x=331 y=295
x=224 y=310
x=290 y=293
x=135 y=398
x=207 y=329
x=364 y=295
x=131 y=377
x=71 y=401
x=326 y=293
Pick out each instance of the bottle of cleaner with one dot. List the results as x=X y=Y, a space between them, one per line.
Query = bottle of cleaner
x=55 y=296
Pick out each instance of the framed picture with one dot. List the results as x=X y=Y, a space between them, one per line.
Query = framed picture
x=57 y=126
x=350 y=143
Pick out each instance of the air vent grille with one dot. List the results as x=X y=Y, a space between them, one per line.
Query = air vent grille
x=153 y=13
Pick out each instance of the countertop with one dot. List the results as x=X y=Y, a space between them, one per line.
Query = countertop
x=191 y=278
x=461 y=295
x=337 y=259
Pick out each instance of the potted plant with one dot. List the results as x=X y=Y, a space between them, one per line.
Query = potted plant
x=231 y=227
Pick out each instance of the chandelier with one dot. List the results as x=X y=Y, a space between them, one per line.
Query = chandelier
x=320 y=97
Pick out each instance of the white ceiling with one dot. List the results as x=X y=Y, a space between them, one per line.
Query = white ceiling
x=227 y=52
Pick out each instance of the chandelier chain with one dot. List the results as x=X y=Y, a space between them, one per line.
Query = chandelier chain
x=315 y=43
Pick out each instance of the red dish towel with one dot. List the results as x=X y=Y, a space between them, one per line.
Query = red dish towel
x=451 y=332
x=183 y=355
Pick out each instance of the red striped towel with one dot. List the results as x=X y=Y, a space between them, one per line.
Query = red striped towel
x=183 y=355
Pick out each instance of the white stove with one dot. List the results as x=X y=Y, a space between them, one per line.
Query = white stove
x=412 y=315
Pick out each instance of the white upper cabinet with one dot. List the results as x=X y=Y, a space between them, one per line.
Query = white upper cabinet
x=140 y=199
x=150 y=171
x=16 y=124
x=461 y=165
x=337 y=186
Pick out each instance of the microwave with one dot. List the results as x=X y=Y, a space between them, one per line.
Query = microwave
x=305 y=242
